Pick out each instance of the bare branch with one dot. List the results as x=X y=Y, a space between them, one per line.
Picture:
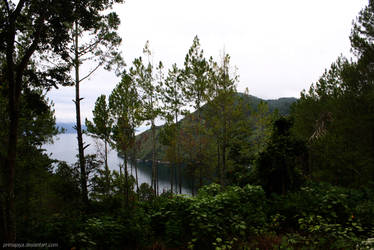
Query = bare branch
x=88 y=48
x=91 y=72
x=20 y=45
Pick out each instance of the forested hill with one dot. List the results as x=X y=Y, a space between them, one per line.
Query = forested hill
x=282 y=105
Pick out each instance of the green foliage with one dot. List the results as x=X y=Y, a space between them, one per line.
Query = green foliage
x=196 y=75
x=125 y=107
x=324 y=216
x=279 y=168
x=96 y=231
x=145 y=192
x=102 y=122
x=212 y=218
x=336 y=116
x=263 y=120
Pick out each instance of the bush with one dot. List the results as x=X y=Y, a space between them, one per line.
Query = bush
x=324 y=216
x=211 y=219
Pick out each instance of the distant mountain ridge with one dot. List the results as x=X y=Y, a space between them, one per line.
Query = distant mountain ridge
x=68 y=127
x=283 y=104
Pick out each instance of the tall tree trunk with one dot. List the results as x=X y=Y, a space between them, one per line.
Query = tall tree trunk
x=224 y=146
x=126 y=180
x=219 y=168
x=10 y=168
x=223 y=174
x=171 y=178
x=135 y=165
x=177 y=160
x=121 y=188
x=193 y=181
x=107 y=171
x=14 y=76
x=83 y=177
x=154 y=163
x=200 y=175
x=14 y=91
x=136 y=175
x=180 y=177
x=200 y=148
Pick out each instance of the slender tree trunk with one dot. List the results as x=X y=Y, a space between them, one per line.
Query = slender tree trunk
x=200 y=175
x=192 y=162
x=83 y=177
x=121 y=188
x=171 y=177
x=219 y=168
x=224 y=146
x=178 y=156
x=126 y=180
x=193 y=181
x=223 y=174
x=136 y=166
x=154 y=163
x=107 y=171
x=172 y=167
x=180 y=177
x=200 y=146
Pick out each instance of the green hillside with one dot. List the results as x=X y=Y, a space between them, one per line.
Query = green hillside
x=144 y=139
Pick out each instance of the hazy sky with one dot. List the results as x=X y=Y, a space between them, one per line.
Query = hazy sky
x=279 y=47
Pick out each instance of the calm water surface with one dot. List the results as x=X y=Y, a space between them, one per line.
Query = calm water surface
x=65 y=148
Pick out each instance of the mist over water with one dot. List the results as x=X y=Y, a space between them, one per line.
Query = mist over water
x=65 y=148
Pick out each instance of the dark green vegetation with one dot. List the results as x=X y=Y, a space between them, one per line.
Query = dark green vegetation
x=263 y=178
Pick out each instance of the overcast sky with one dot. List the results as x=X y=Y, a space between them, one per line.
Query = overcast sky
x=279 y=47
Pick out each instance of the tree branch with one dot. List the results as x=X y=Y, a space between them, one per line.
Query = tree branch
x=88 y=48
x=18 y=9
x=25 y=59
x=19 y=44
x=92 y=71
x=7 y=5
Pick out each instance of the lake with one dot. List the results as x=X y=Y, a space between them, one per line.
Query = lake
x=65 y=148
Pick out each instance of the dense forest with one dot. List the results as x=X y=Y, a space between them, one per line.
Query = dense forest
x=287 y=173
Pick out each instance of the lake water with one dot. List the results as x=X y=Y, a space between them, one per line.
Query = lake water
x=65 y=148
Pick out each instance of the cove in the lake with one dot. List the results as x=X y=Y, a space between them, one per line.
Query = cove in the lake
x=65 y=148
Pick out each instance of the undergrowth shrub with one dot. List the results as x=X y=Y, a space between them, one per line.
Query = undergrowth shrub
x=212 y=219
x=323 y=215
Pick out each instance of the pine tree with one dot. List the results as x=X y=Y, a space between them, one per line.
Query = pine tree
x=99 y=31
x=101 y=128
x=149 y=87
x=223 y=111
x=125 y=108
x=198 y=91
x=173 y=100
